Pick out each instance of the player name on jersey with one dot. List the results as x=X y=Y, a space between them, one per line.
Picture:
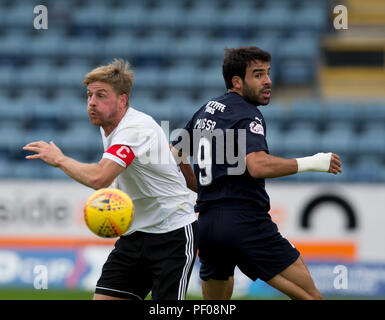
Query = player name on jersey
x=205 y=124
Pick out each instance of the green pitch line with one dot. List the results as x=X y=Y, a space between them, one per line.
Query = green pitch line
x=20 y=294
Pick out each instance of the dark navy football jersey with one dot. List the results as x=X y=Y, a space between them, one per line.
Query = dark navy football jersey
x=220 y=134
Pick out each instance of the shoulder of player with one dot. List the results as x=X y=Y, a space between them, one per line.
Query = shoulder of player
x=136 y=121
x=220 y=105
x=248 y=117
x=242 y=111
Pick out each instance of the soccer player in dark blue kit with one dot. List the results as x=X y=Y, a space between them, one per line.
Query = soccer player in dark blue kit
x=234 y=224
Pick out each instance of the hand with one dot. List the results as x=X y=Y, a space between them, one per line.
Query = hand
x=48 y=152
x=335 y=164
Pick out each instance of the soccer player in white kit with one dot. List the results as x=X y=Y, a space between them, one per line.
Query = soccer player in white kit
x=157 y=253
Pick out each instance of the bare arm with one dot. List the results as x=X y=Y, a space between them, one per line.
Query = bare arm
x=189 y=175
x=263 y=165
x=94 y=175
x=186 y=169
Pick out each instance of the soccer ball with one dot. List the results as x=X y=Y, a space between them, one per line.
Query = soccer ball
x=109 y=213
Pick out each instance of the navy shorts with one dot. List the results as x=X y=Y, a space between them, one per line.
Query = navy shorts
x=236 y=234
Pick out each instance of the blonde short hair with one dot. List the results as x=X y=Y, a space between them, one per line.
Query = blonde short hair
x=117 y=74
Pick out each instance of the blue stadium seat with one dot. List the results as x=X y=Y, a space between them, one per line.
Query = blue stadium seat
x=268 y=41
x=46 y=115
x=15 y=33
x=245 y=5
x=193 y=47
x=148 y=78
x=339 y=138
x=72 y=109
x=309 y=17
x=201 y=17
x=337 y=125
x=130 y=15
x=48 y=44
x=181 y=77
x=81 y=142
x=144 y=104
x=180 y=107
x=372 y=141
x=38 y=75
x=296 y=72
x=72 y=75
x=166 y=17
x=10 y=141
x=216 y=48
x=301 y=140
x=159 y=5
x=212 y=78
x=95 y=14
x=367 y=169
x=274 y=137
x=304 y=45
x=13 y=44
x=9 y=125
x=297 y=56
x=76 y=95
x=271 y=18
x=6 y=169
x=56 y=174
x=19 y=15
x=372 y=113
x=119 y=46
x=206 y=94
x=162 y=110
x=274 y=113
x=343 y=111
x=157 y=44
x=30 y=169
x=274 y=4
x=16 y=143
x=237 y=17
x=141 y=99
x=206 y=5
x=324 y=5
x=82 y=47
x=306 y=110
x=13 y=109
x=46 y=135
x=7 y=76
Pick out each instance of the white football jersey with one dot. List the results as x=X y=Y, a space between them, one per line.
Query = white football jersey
x=152 y=178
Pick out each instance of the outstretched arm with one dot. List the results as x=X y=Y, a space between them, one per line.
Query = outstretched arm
x=263 y=165
x=94 y=175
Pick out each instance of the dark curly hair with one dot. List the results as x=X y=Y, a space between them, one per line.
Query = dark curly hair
x=236 y=61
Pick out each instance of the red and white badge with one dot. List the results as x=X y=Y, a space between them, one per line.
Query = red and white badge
x=123 y=153
x=257 y=128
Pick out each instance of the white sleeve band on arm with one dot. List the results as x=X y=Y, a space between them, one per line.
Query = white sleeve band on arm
x=318 y=162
